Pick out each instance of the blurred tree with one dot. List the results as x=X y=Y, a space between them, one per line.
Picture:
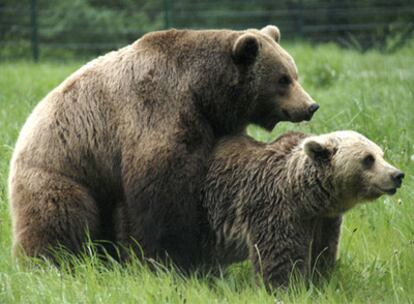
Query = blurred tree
x=95 y=26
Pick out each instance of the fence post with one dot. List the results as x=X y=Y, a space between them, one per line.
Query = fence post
x=33 y=24
x=167 y=14
x=300 y=18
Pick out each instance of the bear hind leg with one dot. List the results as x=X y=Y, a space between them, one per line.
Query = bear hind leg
x=50 y=210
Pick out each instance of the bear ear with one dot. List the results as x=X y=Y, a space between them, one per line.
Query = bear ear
x=316 y=150
x=245 y=49
x=271 y=31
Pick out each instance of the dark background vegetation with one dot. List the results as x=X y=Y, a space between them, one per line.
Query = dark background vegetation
x=67 y=28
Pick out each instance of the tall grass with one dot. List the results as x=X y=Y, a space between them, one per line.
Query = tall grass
x=370 y=93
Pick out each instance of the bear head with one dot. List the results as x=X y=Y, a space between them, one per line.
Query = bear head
x=357 y=169
x=279 y=96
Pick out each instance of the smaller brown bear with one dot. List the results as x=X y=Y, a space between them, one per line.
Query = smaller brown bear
x=281 y=204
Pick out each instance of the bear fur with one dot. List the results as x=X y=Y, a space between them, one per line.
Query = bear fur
x=119 y=149
x=281 y=204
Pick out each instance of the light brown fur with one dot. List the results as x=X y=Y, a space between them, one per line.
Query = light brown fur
x=281 y=204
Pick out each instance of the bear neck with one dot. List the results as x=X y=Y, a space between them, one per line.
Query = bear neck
x=227 y=109
x=205 y=76
x=303 y=185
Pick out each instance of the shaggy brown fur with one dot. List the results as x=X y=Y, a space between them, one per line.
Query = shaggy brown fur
x=281 y=204
x=119 y=148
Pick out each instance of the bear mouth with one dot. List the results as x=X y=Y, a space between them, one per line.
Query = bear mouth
x=271 y=122
x=389 y=191
x=297 y=117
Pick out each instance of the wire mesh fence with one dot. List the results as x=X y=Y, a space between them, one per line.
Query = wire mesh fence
x=41 y=29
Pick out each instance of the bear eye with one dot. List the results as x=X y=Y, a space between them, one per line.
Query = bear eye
x=368 y=161
x=284 y=80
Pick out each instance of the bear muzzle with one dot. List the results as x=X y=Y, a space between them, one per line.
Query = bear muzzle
x=395 y=181
x=312 y=109
x=397 y=177
x=305 y=115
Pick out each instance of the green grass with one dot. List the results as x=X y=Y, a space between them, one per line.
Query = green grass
x=370 y=93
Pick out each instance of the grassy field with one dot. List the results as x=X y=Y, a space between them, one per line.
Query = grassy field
x=371 y=93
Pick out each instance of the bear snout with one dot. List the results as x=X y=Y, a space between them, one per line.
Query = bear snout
x=308 y=113
x=397 y=178
x=394 y=182
x=311 y=110
x=298 y=116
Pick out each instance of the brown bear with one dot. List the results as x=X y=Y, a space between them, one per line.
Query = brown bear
x=281 y=204
x=119 y=149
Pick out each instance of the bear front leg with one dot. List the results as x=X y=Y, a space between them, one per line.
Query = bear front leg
x=279 y=254
x=325 y=241
x=160 y=215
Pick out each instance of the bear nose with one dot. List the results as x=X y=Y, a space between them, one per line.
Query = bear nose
x=397 y=177
x=313 y=108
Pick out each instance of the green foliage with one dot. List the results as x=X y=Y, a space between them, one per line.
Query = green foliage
x=91 y=27
x=371 y=93
x=81 y=23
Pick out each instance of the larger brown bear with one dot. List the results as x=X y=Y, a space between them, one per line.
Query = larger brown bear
x=281 y=204
x=119 y=148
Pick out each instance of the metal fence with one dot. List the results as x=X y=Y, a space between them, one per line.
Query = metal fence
x=35 y=29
